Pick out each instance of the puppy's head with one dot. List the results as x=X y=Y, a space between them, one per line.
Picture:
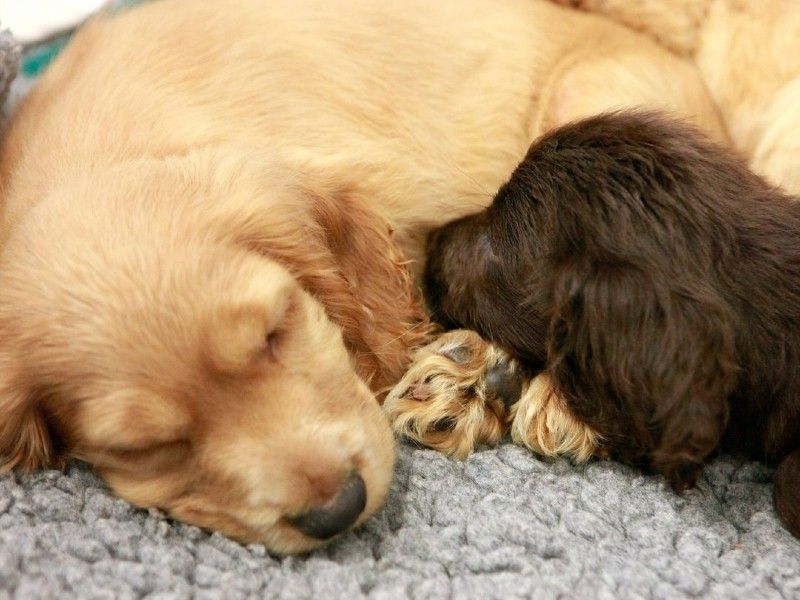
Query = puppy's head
x=199 y=330
x=473 y=282
x=607 y=256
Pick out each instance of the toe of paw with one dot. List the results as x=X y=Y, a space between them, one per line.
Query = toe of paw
x=504 y=383
x=458 y=354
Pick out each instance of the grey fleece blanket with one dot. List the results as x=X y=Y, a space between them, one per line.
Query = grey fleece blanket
x=502 y=524
x=9 y=65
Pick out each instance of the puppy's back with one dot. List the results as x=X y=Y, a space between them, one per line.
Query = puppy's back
x=646 y=186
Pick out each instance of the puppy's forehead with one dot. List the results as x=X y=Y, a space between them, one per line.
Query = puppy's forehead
x=258 y=281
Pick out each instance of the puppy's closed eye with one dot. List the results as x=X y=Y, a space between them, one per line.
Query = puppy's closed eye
x=242 y=338
x=135 y=456
x=131 y=426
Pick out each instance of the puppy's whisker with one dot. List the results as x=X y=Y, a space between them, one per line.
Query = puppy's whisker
x=413 y=328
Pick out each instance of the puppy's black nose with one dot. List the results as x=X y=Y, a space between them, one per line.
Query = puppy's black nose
x=337 y=514
x=505 y=383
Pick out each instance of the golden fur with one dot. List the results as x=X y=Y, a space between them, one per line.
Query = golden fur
x=749 y=54
x=542 y=422
x=443 y=402
x=204 y=229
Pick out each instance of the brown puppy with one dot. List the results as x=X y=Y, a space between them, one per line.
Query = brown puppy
x=655 y=281
x=204 y=233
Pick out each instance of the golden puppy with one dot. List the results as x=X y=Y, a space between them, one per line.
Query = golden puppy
x=749 y=54
x=207 y=209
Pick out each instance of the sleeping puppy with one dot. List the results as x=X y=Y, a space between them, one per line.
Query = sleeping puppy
x=749 y=54
x=652 y=282
x=205 y=233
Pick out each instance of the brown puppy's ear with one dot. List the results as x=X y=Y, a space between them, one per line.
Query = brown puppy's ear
x=25 y=440
x=646 y=359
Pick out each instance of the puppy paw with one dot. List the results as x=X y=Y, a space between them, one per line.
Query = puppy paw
x=456 y=394
x=680 y=472
x=542 y=422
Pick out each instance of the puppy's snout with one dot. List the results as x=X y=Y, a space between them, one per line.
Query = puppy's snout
x=338 y=513
x=504 y=383
x=434 y=283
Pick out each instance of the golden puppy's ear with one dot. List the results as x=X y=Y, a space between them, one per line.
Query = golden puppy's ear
x=26 y=442
x=366 y=288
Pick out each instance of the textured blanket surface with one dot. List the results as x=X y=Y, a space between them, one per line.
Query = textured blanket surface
x=502 y=524
x=10 y=53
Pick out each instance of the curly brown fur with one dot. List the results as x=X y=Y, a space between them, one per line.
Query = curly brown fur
x=655 y=279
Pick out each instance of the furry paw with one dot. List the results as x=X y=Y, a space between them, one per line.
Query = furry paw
x=542 y=422
x=461 y=391
x=456 y=394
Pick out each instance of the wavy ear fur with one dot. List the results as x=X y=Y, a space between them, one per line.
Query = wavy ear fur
x=362 y=280
x=646 y=364
x=26 y=443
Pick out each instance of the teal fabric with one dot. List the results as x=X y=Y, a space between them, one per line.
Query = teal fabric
x=38 y=57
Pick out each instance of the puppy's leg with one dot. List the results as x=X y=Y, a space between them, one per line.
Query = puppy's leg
x=542 y=422
x=787 y=492
x=456 y=394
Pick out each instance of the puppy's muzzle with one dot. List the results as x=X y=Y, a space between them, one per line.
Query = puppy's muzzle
x=337 y=514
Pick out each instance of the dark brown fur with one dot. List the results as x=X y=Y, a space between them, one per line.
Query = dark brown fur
x=656 y=279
